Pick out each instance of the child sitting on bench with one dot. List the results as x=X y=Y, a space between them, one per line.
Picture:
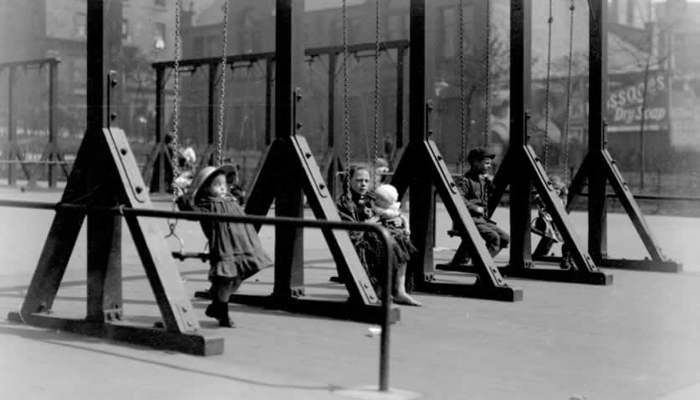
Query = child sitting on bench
x=235 y=250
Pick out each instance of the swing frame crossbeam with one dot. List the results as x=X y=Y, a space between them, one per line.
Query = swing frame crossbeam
x=159 y=158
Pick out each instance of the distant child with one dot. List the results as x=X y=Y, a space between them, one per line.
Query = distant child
x=235 y=250
x=381 y=171
x=387 y=212
x=543 y=224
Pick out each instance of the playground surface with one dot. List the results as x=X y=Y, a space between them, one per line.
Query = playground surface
x=635 y=339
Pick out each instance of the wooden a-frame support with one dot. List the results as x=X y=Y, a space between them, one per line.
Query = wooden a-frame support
x=521 y=168
x=105 y=174
x=422 y=170
x=598 y=167
x=288 y=173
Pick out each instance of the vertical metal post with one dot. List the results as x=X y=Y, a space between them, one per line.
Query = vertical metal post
x=269 y=65
x=400 y=53
x=103 y=231
x=332 y=59
x=597 y=80
x=10 y=124
x=213 y=67
x=289 y=249
x=159 y=104
x=421 y=190
x=52 y=121
x=416 y=81
x=384 y=348
x=159 y=162
x=521 y=185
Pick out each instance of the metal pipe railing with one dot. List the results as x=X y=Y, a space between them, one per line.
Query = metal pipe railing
x=250 y=219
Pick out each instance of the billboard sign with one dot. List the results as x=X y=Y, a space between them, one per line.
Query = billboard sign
x=626 y=100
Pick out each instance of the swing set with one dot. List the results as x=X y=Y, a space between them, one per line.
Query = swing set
x=115 y=191
x=104 y=196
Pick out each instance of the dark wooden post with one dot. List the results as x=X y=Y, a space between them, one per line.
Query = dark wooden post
x=421 y=190
x=269 y=65
x=53 y=77
x=104 y=297
x=210 y=102
x=399 y=96
x=160 y=160
x=520 y=184
x=332 y=61
x=289 y=245
x=597 y=79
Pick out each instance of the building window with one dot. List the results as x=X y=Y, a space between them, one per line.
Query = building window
x=126 y=37
x=159 y=38
x=80 y=25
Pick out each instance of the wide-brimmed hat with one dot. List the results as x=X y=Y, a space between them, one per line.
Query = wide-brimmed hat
x=205 y=175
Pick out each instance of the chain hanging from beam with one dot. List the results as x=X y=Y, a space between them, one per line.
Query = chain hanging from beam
x=346 y=105
x=222 y=90
x=545 y=154
x=567 y=124
x=462 y=103
x=375 y=128
x=487 y=88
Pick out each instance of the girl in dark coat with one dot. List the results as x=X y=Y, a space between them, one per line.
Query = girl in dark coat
x=235 y=250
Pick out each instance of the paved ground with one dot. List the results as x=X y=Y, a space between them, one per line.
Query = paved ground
x=635 y=339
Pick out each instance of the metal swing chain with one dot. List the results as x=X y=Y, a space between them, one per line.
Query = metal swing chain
x=174 y=131
x=346 y=88
x=565 y=136
x=222 y=90
x=487 y=89
x=172 y=223
x=545 y=154
x=462 y=101
x=375 y=132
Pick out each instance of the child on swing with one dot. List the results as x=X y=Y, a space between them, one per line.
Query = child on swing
x=387 y=212
x=235 y=250
x=543 y=224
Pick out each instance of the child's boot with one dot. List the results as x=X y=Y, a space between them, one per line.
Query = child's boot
x=219 y=311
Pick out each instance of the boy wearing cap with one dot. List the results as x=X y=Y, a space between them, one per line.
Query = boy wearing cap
x=476 y=187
